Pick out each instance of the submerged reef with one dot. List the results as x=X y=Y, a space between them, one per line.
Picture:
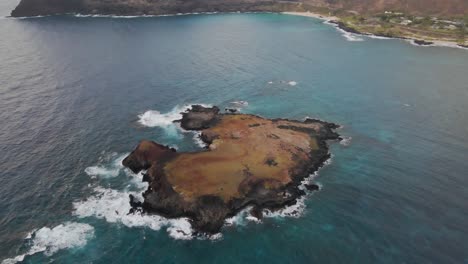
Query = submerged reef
x=248 y=161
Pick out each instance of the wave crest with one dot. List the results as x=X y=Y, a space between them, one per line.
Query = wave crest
x=51 y=240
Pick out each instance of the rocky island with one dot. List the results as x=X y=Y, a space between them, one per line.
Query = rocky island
x=248 y=161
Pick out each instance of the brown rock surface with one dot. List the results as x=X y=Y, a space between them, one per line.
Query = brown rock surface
x=250 y=160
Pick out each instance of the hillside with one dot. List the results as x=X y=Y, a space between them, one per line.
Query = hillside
x=157 y=7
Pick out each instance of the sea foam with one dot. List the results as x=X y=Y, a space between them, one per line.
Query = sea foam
x=111 y=170
x=113 y=206
x=50 y=240
x=154 y=118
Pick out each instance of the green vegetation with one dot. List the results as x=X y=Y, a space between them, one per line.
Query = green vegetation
x=398 y=24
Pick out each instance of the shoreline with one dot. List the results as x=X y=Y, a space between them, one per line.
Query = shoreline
x=336 y=22
x=328 y=19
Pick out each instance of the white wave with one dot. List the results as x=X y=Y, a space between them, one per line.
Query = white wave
x=436 y=43
x=240 y=103
x=141 y=16
x=346 y=141
x=357 y=37
x=349 y=36
x=377 y=37
x=101 y=171
x=241 y=218
x=352 y=37
x=111 y=170
x=51 y=240
x=292 y=83
x=295 y=210
x=198 y=141
x=153 y=118
x=298 y=209
x=113 y=206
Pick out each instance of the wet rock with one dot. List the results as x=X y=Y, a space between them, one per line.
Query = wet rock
x=312 y=187
x=423 y=42
x=199 y=117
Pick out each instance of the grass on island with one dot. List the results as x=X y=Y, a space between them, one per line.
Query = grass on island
x=247 y=149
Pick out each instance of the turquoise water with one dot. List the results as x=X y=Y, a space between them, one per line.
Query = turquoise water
x=73 y=92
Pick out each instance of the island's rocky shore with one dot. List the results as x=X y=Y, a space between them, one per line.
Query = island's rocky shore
x=248 y=161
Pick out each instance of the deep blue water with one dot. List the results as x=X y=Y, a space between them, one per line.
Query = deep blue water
x=72 y=90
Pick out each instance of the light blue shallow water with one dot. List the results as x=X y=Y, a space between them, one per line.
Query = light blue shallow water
x=71 y=90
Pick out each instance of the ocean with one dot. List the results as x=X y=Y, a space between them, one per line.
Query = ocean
x=77 y=94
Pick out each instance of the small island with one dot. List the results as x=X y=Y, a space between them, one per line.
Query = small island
x=249 y=161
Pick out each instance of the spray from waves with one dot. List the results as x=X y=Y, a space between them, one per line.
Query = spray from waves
x=296 y=210
x=114 y=207
x=242 y=218
x=349 y=36
x=154 y=118
x=50 y=240
x=198 y=141
x=111 y=170
x=346 y=141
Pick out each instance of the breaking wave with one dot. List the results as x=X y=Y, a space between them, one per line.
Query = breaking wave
x=346 y=141
x=153 y=118
x=50 y=240
x=113 y=206
x=111 y=170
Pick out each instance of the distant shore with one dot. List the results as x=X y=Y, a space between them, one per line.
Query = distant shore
x=420 y=41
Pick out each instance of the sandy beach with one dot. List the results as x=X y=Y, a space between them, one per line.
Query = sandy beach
x=311 y=14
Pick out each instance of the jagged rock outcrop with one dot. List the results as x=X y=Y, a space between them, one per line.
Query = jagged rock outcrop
x=249 y=161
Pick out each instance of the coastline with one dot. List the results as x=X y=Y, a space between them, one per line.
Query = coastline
x=328 y=19
x=337 y=23
x=312 y=14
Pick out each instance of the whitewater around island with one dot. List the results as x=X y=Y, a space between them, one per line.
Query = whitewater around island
x=112 y=205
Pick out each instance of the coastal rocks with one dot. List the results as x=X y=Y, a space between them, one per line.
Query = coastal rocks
x=344 y=27
x=422 y=42
x=199 y=117
x=250 y=162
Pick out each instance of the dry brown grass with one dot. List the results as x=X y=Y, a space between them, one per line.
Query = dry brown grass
x=247 y=149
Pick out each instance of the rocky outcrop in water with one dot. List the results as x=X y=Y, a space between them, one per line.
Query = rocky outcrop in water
x=249 y=161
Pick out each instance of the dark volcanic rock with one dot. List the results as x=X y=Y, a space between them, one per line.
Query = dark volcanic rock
x=199 y=117
x=145 y=154
x=423 y=42
x=250 y=161
x=345 y=27
x=312 y=187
